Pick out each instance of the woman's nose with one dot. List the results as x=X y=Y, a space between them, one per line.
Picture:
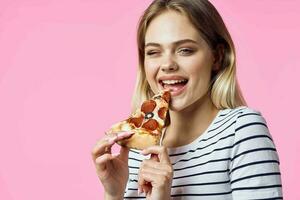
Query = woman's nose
x=169 y=65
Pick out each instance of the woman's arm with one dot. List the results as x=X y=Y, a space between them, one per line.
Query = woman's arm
x=254 y=169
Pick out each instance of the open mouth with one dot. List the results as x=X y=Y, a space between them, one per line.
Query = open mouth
x=173 y=85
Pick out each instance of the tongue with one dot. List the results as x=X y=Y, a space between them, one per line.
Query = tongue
x=174 y=87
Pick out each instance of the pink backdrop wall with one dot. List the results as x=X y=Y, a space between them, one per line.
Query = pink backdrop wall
x=67 y=71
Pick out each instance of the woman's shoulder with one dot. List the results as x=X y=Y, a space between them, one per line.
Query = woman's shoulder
x=248 y=115
x=241 y=110
x=249 y=123
x=245 y=118
x=243 y=114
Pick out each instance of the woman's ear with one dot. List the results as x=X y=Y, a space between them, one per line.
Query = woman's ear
x=218 y=54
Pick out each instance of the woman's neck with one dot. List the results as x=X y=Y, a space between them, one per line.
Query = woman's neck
x=190 y=123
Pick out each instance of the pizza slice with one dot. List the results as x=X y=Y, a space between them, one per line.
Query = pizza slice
x=146 y=122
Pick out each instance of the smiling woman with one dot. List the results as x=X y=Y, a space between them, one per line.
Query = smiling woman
x=170 y=64
x=214 y=146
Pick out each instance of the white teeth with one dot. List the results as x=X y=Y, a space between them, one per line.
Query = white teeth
x=172 y=81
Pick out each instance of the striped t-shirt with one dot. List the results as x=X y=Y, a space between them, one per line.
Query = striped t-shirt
x=235 y=158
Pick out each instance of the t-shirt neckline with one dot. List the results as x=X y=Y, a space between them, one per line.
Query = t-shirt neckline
x=172 y=150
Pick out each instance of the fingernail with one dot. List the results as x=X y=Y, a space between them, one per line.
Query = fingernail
x=112 y=140
x=125 y=134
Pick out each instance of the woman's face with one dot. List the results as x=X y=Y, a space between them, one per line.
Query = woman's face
x=176 y=57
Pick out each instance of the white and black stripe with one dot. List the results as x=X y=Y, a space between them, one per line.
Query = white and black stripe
x=235 y=158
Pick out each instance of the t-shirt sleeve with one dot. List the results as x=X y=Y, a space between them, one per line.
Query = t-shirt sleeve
x=254 y=167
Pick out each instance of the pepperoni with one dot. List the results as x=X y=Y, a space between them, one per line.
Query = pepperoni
x=137 y=121
x=162 y=113
x=151 y=124
x=148 y=106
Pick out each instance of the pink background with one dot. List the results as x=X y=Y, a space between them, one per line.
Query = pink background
x=67 y=72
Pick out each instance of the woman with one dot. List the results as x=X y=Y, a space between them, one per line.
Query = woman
x=214 y=147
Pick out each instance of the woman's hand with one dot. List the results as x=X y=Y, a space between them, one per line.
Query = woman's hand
x=156 y=174
x=111 y=169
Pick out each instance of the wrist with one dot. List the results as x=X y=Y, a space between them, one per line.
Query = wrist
x=113 y=197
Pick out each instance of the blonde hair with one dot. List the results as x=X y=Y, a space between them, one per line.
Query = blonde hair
x=225 y=91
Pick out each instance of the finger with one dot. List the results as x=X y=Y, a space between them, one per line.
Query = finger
x=123 y=135
x=141 y=181
x=157 y=180
x=105 y=144
x=103 y=160
x=162 y=170
x=143 y=185
x=149 y=178
x=102 y=146
x=124 y=151
x=161 y=151
x=162 y=167
x=148 y=168
x=119 y=134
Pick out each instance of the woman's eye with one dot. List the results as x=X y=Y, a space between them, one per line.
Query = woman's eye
x=182 y=51
x=149 y=53
x=186 y=51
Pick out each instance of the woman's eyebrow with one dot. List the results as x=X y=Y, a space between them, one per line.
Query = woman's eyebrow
x=174 y=43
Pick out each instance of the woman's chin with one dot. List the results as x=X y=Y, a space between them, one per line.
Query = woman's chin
x=177 y=106
x=182 y=105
